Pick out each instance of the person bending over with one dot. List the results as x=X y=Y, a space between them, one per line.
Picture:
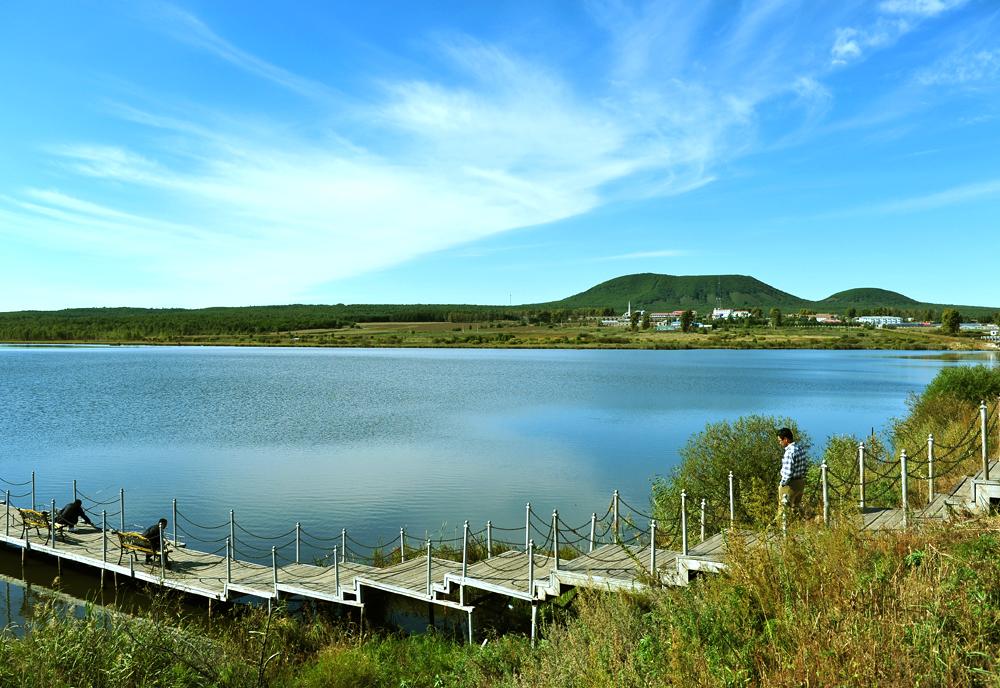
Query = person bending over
x=73 y=513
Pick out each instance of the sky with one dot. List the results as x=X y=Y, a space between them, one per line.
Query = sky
x=196 y=154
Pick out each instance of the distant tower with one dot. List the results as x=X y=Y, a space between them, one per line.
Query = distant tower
x=628 y=313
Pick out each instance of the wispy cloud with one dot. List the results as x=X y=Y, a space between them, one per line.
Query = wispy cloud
x=953 y=196
x=188 y=28
x=637 y=255
x=920 y=8
x=236 y=207
x=894 y=19
x=966 y=67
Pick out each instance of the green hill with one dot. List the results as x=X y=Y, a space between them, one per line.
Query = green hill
x=867 y=298
x=650 y=291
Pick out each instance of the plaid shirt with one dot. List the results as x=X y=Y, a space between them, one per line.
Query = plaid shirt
x=793 y=463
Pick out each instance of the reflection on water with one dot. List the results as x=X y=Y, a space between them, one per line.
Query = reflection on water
x=372 y=440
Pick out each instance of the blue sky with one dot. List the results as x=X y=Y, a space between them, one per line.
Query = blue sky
x=224 y=153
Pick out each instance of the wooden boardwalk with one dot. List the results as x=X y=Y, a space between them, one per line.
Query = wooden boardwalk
x=439 y=581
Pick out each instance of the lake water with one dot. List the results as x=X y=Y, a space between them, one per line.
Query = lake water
x=372 y=440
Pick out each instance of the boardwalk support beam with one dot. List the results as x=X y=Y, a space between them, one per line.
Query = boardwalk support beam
x=732 y=502
x=906 y=497
x=555 y=540
x=930 y=468
x=336 y=573
x=527 y=525
x=861 y=475
x=614 y=506
x=684 y=523
x=702 y=520
x=428 y=567
x=531 y=570
x=652 y=547
x=826 y=494
x=982 y=422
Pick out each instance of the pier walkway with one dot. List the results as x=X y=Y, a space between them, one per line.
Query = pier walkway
x=611 y=552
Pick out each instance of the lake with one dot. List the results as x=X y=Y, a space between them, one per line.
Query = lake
x=375 y=440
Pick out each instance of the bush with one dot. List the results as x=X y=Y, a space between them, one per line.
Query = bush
x=965 y=383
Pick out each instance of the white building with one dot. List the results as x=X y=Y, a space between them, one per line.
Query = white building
x=880 y=320
x=727 y=313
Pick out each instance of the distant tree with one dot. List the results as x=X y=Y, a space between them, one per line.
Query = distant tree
x=775 y=317
x=757 y=314
x=951 y=321
x=634 y=321
x=645 y=320
x=687 y=317
x=852 y=313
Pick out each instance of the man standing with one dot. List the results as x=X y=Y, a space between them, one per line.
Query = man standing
x=793 y=471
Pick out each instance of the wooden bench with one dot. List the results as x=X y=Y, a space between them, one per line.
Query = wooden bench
x=136 y=543
x=31 y=518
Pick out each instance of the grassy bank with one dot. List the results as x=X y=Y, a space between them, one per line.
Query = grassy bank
x=827 y=607
x=503 y=334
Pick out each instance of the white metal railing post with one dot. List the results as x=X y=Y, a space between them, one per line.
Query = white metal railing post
x=6 y=515
x=684 y=523
x=702 y=520
x=173 y=508
x=33 y=491
x=527 y=525
x=489 y=539
x=930 y=468
x=861 y=474
x=465 y=562
x=336 y=572
x=428 y=567
x=343 y=545
x=593 y=531
x=531 y=568
x=652 y=546
x=906 y=497
x=986 y=460
x=163 y=552
x=232 y=533
x=52 y=525
x=298 y=542
x=555 y=540
x=732 y=502
x=229 y=564
x=121 y=508
x=274 y=569
x=826 y=494
x=614 y=521
x=402 y=545
x=784 y=514
x=104 y=535
x=74 y=490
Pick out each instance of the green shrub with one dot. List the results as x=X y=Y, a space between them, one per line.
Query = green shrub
x=965 y=383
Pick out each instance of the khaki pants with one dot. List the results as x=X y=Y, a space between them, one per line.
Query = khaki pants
x=794 y=490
